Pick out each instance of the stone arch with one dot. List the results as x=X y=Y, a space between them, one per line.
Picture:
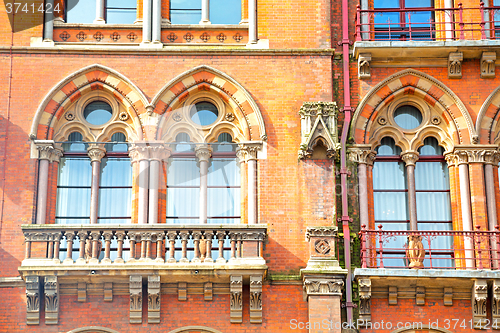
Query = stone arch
x=205 y=78
x=93 y=329
x=422 y=328
x=197 y=329
x=422 y=86
x=487 y=123
x=74 y=86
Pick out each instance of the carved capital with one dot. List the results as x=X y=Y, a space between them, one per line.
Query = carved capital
x=488 y=64
x=135 y=299
x=365 y=300
x=32 y=300
x=256 y=299
x=495 y=301
x=451 y=159
x=247 y=151
x=476 y=155
x=461 y=157
x=410 y=157
x=321 y=232
x=455 y=65
x=203 y=153
x=138 y=151
x=492 y=157
x=362 y=156
x=159 y=151
x=51 y=287
x=479 y=298
x=154 y=299
x=96 y=153
x=236 y=298
x=48 y=151
x=364 y=71
x=322 y=286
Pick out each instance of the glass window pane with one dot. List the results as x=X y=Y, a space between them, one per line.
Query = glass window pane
x=431 y=176
x=419 y=20
x=204 y=113
x=384 y=20
x=115 y=202
x=121 y=16
x=433 y=206
x=224 y=172
x=74 y=172
x=418 y=3
x=121 y=3
x=386 y=4
x=98 y=113
x=388 y=148
x=183 y=202
x=73 y=202
x=82 y=11
x=185 y=16
x=225 y=11
x=408 y=117
x=223 y=202
x=390 y=206
x=389 y=176
x=183 y=172
x=116 y=172
x=431 y=147
x=185 y=4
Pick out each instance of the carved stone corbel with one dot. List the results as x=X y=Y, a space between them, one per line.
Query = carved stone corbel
x=362 y=156
x=208 y=291
x=82 y=291
x=488 y=64
x=32 y=300
x=365 y=300
x=51 y=287
x=323 y=286
x=479 y=298
x=256 y=299
x=154 y=299
x=448 y=296
x=495 y=302
x=182 y=291
x=236 y=299
x=108 y=291
x=455 y=65
x=420 y=295
x=136 y=299
x=393 y=295
x=364 y=71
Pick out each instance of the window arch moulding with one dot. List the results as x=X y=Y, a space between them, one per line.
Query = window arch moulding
x=488 y=119
x=452 y=114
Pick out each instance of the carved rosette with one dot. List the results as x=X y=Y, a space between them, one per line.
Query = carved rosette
x=318 y=125
x=154 y=299
x=495 y=301
x=364 y=71
x=365 y=300
x=96 y=153
x=410 y=158
x=135 y=299
x=479 y=298
x=256 y=299
x=32 y=300
x=415 y=252
x=362 y=156
x=322 y=286
x=51 y=287
x=236 y=298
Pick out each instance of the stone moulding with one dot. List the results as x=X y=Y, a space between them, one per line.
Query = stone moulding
x=236 y=299
x=318 y=126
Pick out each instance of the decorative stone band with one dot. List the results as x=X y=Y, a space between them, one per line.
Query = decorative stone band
x=410 y=157
x=321 y=232
x=47 y=151
x=323 y=286
x=362 y=156
x=96 y=153
x=247 y=151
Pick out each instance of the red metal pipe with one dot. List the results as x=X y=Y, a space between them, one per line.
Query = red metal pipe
x=343 y=170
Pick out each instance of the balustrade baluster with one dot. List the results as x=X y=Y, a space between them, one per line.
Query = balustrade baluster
x=184 y=240
x=57 y=245
x=50 y=249
x=381 y=241
x=172 y=235
x=159 y=247
x=239 y=246
x=362 y=235
x=96 y=246
x=107 y=247
x=196 y=241
x=132 y=238
x=82 y=236
x=208 y=236
x=232 y=236
x=221 y=235
x=27 y=254
x=120 y=236
x=69 y=246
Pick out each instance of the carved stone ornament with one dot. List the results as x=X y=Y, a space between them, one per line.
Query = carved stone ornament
x=123 y=116
x=154 y=299
x=364 y=71
x=108 y=291
x=256 y=299
x=415 y=252
x=362 y=156
x=365 y=300
x=177 y=117
x=203 y=153
x=47 y=151
x=229 y=116
x=393 y=295
x=479 y=298
x=322 y=286
x=492 y=157
x=488 y=64
x=495 y=301
x=135 y=299
x=410 y=157
x=420 y=295
x=32 y=300
x=318 y=125
x=208 y=291
x=448 y=296
x=455 y=65
x=247 y=151
x=51 y=287
x=236 y=299
x=82 y=291
x=96 y=153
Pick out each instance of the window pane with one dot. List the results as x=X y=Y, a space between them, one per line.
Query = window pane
x=183 y=202
x=433 y=206
x=185 y=16
x=389 y=176
x=116 y=172
x=185 y=4
x=223 y=202
x=73 y=202
x=418 y=3
x=431 y=147
x=408 y=117
x=82 y=11
x=388 y=148
x=390 y=206
x=121 y=16
x=431 y=176
x=121 y=3
x=386 y=4
x=115 y=202
x=224 y=172
x=75 y=172
x=183 y=172
x=225 y=11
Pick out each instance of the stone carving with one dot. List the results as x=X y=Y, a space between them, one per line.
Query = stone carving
x=46 y=151
x=365 y=300
x=362 y=156
x=364 y=71
x=495 y=301
x=203 y=153
x=135 y=299
x=322 y=247
x=448 y=296
x=393 y=295
x=492 y=157
x=248 y=151
x=32 y=300
x=108 y=291
x=51 y=287
x=93 y=240
x=479 y=298
x=488 y=64
x=96 y=153
x=322 y=286
x=256 y=299
x=154 y=299
x=321 y=232
x=318 y=126
x=415 y=252
x=455 y=65
x=236 y=298
x=420 y=295
x=410 y=157
x=208 y=291
x=82 y=291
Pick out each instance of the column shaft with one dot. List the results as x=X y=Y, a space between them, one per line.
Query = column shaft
x=363 y=194
x=154 y=177
x=252 y=191
x=99 y=12
x=43 y=180
x=143 y=191
x=94 y=191
x=205 y=12
x=156 y=35
x=203 y=191
x=48 y=33
x=412 y=197
x=463 y=172
x=146 y=21
x=252 y=21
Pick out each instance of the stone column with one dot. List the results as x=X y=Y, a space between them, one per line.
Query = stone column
x=146 y=21
x=448 y=19
x=203 y=153
x=156 y=30
x=46 y=154
x=158 y=154
x=463 y=174
x=139 y=153
x=248 y=151
x=48 y=32
x=96 y=154
x=205 y=12
x=492 y=158
x=99 y=12
x=252 y=21
x=365 y=20
x=364 y=158
x=410 y=158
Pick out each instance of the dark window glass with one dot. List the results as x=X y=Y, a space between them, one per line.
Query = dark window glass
x=225 y=11
x=185 y=11
x=408 y=117
x=204 y=113
x=97 y=113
